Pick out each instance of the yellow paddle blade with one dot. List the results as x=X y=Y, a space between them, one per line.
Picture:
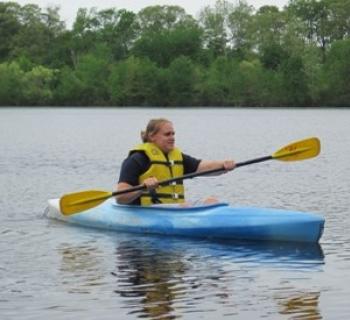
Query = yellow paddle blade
x=80 y=201
x=299 y=150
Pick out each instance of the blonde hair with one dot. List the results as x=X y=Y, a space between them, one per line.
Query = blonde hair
x=152 y=128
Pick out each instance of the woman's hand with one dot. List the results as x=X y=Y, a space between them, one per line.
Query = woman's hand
x=151 y=183
x=229 y=165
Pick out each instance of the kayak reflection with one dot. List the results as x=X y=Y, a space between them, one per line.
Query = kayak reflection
x=155 y=274
x=147 y=277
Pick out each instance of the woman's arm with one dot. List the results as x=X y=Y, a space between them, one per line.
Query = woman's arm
x=129 y=197
x=126 y=198
x=206 y=165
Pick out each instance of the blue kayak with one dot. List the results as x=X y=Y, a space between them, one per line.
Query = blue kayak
x=217 y=221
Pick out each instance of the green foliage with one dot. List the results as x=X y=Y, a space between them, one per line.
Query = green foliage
x=315 y=80
x=9 y=27
x=182 y=78
x=337 y=71
x=221 y=85
x=250 y=90
x=69 y=89
x=37 y=86
x=133 y=82
x=294 y=82
x=17 y=87
x=272 y=55
x=38 y=34
x=116 y=29
x=11 y=84
x=167 y=33
x=233 y=55
x=93 y=72
x=241 y=26
x=165 y=46
x=269 y=27
x=154 y=19
x=215 y=35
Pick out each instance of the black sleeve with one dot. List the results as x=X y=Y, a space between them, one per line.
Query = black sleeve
x=133 y=166
x=190 y=164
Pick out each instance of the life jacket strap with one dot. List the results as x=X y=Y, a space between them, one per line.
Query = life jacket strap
x=154 y=197
x=165 y=196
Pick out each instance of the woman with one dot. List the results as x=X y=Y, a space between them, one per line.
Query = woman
x=157 y=159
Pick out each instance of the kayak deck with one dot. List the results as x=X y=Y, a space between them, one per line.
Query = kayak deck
x=219 y=221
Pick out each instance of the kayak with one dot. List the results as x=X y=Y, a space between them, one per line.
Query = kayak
x=216 y=221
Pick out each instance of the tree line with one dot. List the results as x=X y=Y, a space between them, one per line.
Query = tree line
x=230 y=55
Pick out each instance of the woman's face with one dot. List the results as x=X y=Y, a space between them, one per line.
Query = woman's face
x=165 y=137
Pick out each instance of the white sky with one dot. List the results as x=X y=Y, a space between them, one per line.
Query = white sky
x=68 y=8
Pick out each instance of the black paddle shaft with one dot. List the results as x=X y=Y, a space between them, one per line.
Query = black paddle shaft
x=192 y=175
x=257 y=160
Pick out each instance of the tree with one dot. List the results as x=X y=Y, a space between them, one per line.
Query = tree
x=83 y=37
x=182 y=79
x=240 y=24
x=294 y=82
x=93 y=72
x=272 y=55
x=117 y=29
x=11 y=84
x=315 y=14
x=37 y=37
x=178 y=35
x=165 y=46
x=337 y=72
x=9 y=27
x=133 y=82
x=214 y=23
x=269 y=27
x=339 y=19
x=222 y=83
x=313 y=68
x=86 y=83
x=154 y=19
x=69 y=89
x=37 y=86
x=250 y=86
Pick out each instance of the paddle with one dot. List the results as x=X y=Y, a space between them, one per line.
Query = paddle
x=81 y=201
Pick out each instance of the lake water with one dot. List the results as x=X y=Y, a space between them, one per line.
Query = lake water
x=49 y=270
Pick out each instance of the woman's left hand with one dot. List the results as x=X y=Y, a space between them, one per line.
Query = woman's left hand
x=229 y=165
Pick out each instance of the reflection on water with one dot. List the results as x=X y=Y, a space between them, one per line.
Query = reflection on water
x=80 y=266
x=160 y=278
x=167 y=277
x=301 y=306
x=148 y=276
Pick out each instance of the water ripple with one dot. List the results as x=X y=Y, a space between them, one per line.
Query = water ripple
x=188 y=274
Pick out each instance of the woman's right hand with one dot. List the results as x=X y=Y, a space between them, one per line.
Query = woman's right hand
x=151 y=183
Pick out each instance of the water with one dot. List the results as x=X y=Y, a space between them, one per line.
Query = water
x=51 y=270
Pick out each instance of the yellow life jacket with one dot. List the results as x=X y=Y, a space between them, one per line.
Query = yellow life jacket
x=163 y=167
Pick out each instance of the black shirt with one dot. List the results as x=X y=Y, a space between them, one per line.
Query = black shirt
x=138 y=163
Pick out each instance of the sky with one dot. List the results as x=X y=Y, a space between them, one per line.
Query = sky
x=68 y=8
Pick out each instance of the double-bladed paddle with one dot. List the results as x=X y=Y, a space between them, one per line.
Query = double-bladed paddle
x=80 y=201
